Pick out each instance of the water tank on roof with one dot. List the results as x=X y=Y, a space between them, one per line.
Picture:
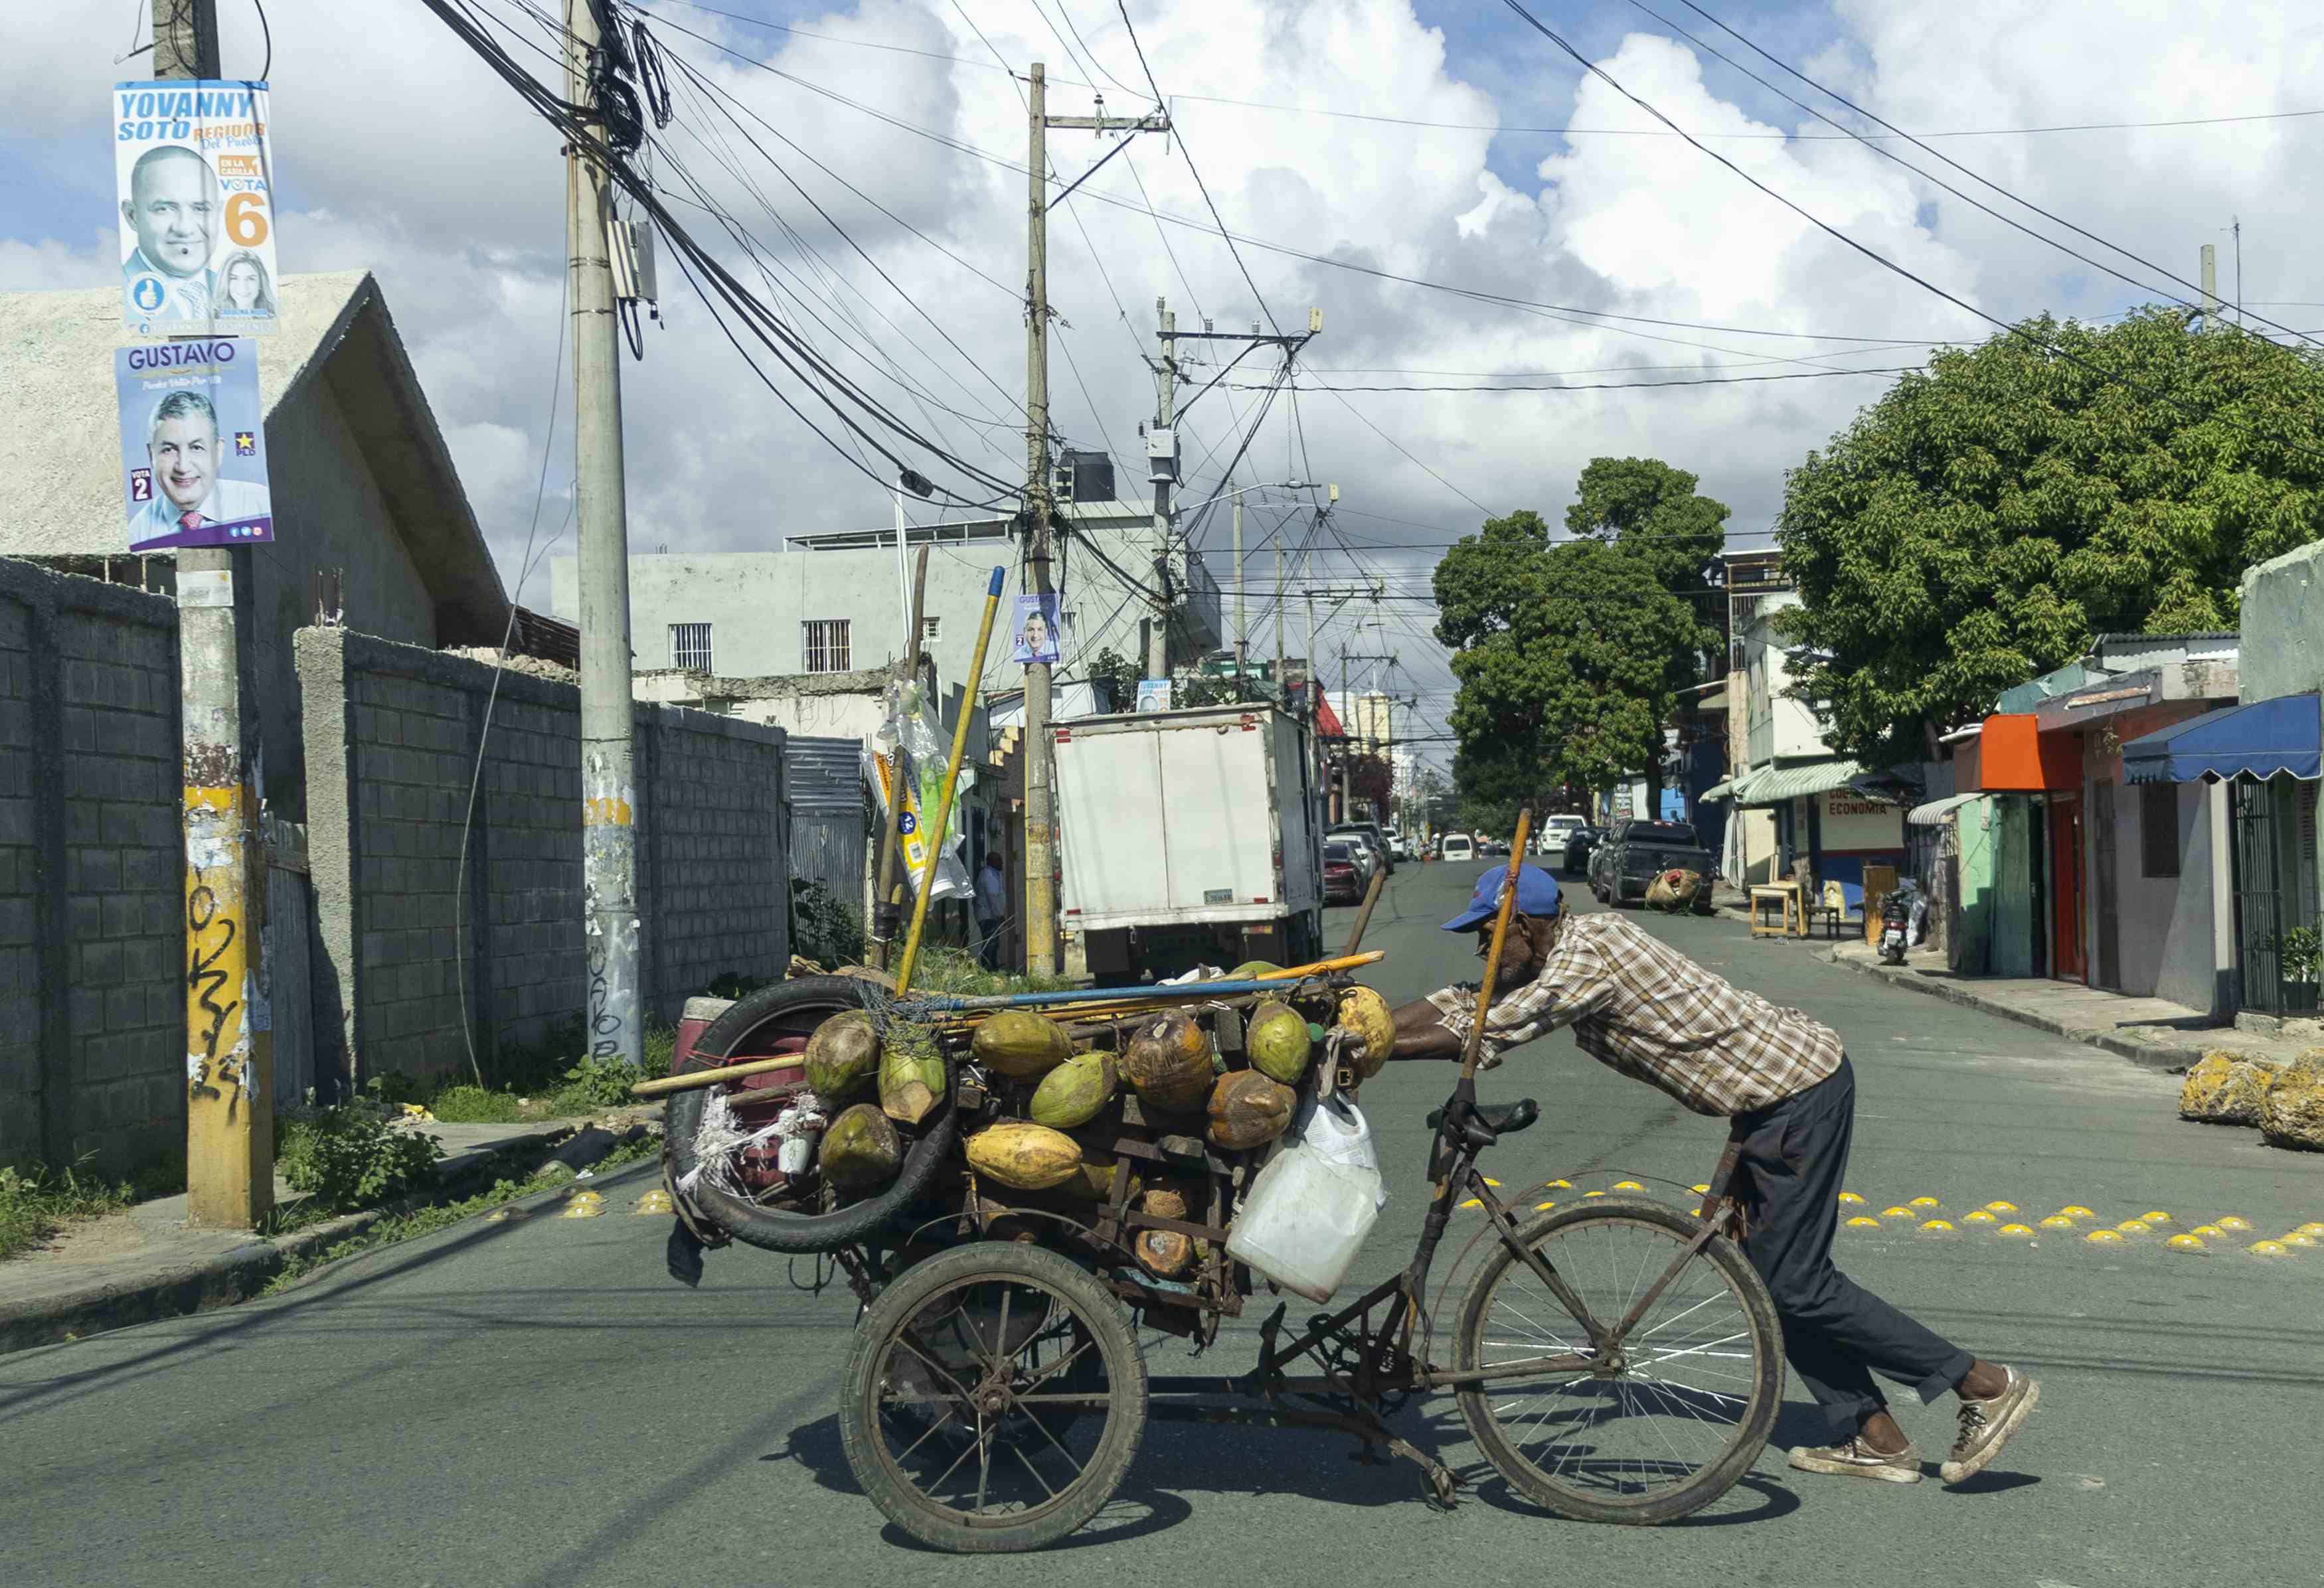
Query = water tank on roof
x=1083 y=476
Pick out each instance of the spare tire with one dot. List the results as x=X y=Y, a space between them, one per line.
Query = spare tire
x=754 y=1026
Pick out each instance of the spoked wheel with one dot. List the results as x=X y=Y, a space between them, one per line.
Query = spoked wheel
x=1677 y=1410
x=994 y=1399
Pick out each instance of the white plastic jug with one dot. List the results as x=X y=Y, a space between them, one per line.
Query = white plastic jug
x=1309 y=1209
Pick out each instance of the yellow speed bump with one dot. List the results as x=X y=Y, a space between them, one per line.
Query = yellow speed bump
x=1861 y=1223
x=2306 y=1242
x=2135 y=1226
x=2269 y=1249
x=1700 y=1190
x=2075 y=1210
x=1924 y=1202
x=654 y=1201
x=2016 y=1232
x=2210 y=1232
x=1472 y=1202
x=2057 y=1221
x=2104 y=1237
x=577 y=1209
x=2233 y=1225
x=1489 y=1180
x=1543 y=1206
x=1937 y=1227
x=1561 y=1185
x=1851 y=1199
x=2312 y=1229
x=1895 y=1213
x=1629 y=1185
x=1980 y=1217
x=2001 y=1207
x=2185 y=1242
x=503 y=1215
x=2157 y=1217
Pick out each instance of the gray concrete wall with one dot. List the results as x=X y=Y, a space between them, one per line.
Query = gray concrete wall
x=92 y=880
x=2283 y=625
x=415 y=947
x=2165 y=925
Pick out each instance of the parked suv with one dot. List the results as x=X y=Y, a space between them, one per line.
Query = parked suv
x=1370 y=833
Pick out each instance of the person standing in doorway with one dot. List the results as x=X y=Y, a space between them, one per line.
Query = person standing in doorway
x=991 y=909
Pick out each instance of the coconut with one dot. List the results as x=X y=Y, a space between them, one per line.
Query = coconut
x=842 y=1054
x=1093 y=1177
x=911 y=1072
x=1074 y=1091
x=1252 y=971
x=1365 y=1014
x=1020 y=1043
x=1029 y=1157
x=1169 y=1062
x=1276 y=1038
x=1249 y=1110
x=1164 y=1253
x=861 y=1150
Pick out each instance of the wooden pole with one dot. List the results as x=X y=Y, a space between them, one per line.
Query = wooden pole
x=1364 y=916
x=1475 y=1043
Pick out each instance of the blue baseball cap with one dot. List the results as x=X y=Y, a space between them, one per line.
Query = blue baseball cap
x=1537 y=896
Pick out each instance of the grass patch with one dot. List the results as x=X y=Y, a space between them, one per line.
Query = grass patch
x=35 y=1204
x=469 y=1103
x=956 y=973
x=425 y=1219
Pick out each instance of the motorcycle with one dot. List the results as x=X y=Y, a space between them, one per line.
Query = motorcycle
x=1896 y=924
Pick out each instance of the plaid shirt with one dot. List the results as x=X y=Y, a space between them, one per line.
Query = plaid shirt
x=1642 y=1007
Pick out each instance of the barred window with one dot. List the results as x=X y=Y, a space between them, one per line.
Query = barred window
x=931 y=628
x=823 y=646
x=689 y=645
x=2158 y=828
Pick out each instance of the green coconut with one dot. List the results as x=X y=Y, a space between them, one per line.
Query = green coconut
x=912 y=1076
x=1252 y=971
x=1276 y=1039
x=1021 y=1044
x=1074 y=1091
x=842 y=1054
x=862 y=1149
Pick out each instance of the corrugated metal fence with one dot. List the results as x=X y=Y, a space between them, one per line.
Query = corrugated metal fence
x=825 y=780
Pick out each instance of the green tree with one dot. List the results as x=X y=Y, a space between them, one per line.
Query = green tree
x=1568 y=658
x=1981 y=523
x=1652 y=510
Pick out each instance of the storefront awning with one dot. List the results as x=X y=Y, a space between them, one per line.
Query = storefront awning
x=2018 y=758
x=1720 y=790
x=1936 y=811
x=1778 y=784
x=2258 y=740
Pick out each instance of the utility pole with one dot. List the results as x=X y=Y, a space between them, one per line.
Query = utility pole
x=1041 y=798
x=229 y=1080
x=2210 y=284
x=1165 y=390
x=1242 y=632
x=609 y=834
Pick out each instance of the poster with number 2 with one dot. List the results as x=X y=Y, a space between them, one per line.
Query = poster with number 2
x=196 y=176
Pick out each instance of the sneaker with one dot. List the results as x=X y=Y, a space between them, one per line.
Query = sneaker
x=1853 y=1458
x=1987 y=1425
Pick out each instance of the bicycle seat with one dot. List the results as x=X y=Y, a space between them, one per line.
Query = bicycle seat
x=1498 y=1119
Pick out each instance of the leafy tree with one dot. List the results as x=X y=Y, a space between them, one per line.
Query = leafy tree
x=1569 y=658
x=1370 y=777
x=1981 y=523
x=1651 y=510
x=1116 y=672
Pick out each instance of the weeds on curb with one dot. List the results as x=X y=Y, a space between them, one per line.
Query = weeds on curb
x=34 y=1202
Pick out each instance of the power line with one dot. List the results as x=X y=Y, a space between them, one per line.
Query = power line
x=1619 y=385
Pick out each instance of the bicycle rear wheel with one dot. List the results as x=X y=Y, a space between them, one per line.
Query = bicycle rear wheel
x=1679 y=1408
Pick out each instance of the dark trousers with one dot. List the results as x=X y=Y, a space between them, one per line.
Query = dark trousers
x=988 y=943
x=1836 y=1333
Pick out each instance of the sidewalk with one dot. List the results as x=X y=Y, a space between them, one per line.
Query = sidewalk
x=2153 y=1032
x=144 y=1263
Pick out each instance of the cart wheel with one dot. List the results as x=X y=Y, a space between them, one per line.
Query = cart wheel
x=994 y=1399
x=1696 y=1382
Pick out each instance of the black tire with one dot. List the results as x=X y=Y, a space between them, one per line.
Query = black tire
x=884 y=1363
x=1729 y=1425
x=794 y=1008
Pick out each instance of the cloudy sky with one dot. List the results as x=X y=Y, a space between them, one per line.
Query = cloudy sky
x=874 y=154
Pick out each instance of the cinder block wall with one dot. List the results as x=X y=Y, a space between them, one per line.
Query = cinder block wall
x=92 y=881
x=412 y=950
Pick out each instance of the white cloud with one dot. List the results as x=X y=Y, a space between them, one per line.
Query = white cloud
x=401 y=153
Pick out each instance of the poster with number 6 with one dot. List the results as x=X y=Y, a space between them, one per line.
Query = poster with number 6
x=196 y=186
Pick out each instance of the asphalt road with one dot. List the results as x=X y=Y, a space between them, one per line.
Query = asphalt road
x=534 y=1403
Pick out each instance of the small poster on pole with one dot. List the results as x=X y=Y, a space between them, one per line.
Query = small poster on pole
x=196 y=181
x=193 y=445
x=1036 y=630
x=1154 y=695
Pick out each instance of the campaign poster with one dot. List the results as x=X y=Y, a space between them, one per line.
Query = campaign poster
x=193 y=444
x=1154 y=695
x=196 y=191
x=1036 y=630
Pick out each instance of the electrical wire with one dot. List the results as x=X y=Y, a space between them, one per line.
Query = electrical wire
x=1619 y=385
x=266 y=34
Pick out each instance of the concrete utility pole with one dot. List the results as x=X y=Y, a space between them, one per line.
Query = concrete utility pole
x=609 y=834
x=1040 y=797
x=229 y=1067
x=1242 y=629
x=1166 y=389
x=2210 y=284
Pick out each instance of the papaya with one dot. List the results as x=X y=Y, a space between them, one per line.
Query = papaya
x=1031 y=1157
x=1021 y=1044
x=1365 y=1014
x=1276 y=1038
x=1074 y=1091
x=1249 y=1110
x=912 y=1079
x=861 y=1150
x=842 y=1054
x=1169 y=1062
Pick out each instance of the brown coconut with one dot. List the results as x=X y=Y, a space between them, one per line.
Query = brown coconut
x=1169 y=1062
x=912 y=1079
x=1365 y=1014
x=1249 y=1110
x=842 y=1054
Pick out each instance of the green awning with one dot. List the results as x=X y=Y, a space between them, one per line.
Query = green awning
x=1779 y=786
x=1721 y=790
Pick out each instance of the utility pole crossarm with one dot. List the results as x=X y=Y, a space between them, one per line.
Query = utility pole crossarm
x=1155 y=122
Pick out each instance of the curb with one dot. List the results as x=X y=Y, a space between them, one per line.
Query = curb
x=180 y=1289
x=2167 y=1061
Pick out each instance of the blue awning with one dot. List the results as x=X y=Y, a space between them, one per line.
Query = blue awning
x=2258 y=741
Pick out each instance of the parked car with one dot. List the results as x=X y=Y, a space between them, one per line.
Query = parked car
x=1399 y=847
x=1555 y=832
x=1458 y=846
x=1343 y=881
x=1370 y=832
x=1621 y=867
x=1366 y=856
x=1578 y=846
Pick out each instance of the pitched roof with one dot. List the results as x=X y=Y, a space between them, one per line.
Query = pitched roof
x=57 y=399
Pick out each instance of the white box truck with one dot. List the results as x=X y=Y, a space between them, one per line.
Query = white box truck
x=1190 y=837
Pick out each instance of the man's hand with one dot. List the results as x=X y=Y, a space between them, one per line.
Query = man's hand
x=1420 y=1033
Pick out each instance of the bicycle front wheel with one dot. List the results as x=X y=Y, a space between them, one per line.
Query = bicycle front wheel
x=1673 y=1413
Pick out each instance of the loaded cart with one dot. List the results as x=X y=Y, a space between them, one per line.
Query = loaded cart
x=1014 y=1185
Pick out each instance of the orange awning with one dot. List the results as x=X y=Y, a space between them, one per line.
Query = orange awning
x=2019 y=758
